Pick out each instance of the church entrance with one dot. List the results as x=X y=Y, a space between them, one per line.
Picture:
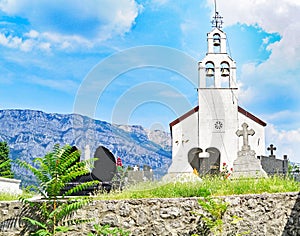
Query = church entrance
x=204 y=166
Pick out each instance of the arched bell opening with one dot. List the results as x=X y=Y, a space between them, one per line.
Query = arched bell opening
x=217 y=43
x=193 y=158
x=225 y=74
x=210 y=74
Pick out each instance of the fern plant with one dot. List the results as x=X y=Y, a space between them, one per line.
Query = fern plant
x=213 y=219
x=53 y=172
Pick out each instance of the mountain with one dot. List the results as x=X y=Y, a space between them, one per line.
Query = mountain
x=32 y=134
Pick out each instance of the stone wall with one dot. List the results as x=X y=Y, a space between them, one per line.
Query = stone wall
x=266 y=214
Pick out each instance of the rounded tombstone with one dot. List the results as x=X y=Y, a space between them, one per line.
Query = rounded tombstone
x=105 y=165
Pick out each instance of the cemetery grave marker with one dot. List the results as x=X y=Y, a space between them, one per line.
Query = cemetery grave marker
x=272 y=148
x=246 y=164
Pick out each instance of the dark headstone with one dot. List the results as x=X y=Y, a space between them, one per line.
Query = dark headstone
x=204 y=166
x=210 y=165
x=79 y=180
x=105 y=165
x=193 y=158
x=274 y=166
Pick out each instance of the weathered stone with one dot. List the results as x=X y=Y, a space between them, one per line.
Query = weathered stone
x=142 y=218
x=124 y=210
x=170 y=213
x=267 y=214
x=111 y=220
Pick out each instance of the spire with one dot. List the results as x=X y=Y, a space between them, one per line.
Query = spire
x=217 y=19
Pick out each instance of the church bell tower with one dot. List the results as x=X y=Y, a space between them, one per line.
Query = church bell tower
x=217 y=94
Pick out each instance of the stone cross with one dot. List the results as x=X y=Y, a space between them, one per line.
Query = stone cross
x=272 y=148
x=245 y=133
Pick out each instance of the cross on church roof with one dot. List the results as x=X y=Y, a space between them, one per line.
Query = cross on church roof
x=217 y=19
x=245 y=133
x=272 y=148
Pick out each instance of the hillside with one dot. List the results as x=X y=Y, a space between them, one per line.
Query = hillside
x=32 y=134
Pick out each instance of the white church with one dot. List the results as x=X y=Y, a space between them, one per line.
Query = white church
x=206 y=137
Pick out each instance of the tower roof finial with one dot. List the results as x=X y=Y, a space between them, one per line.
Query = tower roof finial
x=217 y=19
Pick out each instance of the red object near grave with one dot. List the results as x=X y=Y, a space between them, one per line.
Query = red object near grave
x=119 y=162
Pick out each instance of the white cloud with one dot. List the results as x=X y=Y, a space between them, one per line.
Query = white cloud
x=280 y=72
x=32 y=34
x=272 y=16
x=72 y=23
x=245 y=94
x=160 y=2
x=287 y=142
x=62 y=85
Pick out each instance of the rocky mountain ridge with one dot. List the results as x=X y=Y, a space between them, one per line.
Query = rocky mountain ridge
x=32 y=134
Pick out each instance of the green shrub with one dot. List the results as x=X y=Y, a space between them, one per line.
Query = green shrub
x=54 y=213
x=106 y=230
x=5 y=163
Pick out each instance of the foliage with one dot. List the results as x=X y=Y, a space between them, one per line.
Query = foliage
x=5 y=163
x=212 y=221
x=120 y=179
x=12 y=197
x=55 y=214
x=293 y=170
x=215 y=209
x=225 y=172
x=210 y=185
x=106 y=230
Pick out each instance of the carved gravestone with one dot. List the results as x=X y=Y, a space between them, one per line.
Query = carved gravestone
x=148 y=173
x=208 y=165
x=78 y=180
x=135 y=175
x=104 y=171
x=105 y=165
x=246 y=164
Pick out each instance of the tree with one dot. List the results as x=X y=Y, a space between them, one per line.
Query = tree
x=53 y=172
x=5 y=162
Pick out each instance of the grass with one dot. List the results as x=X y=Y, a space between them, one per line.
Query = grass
x=13 y=197
x=208 y=186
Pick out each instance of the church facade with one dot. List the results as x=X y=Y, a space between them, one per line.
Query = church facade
x=206 y=137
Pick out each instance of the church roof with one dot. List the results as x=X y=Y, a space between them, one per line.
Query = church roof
x=240 y=110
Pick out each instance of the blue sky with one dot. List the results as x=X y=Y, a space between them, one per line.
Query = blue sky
x=49 y=50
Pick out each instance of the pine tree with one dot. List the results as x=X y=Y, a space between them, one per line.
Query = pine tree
x=5 y=162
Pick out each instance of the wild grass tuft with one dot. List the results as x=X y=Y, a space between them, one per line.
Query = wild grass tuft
x=13 y=197
x=210 y=185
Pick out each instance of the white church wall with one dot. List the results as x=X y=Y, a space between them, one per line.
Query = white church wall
x=219 y=106
x=257 y=141
x=184 y=138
